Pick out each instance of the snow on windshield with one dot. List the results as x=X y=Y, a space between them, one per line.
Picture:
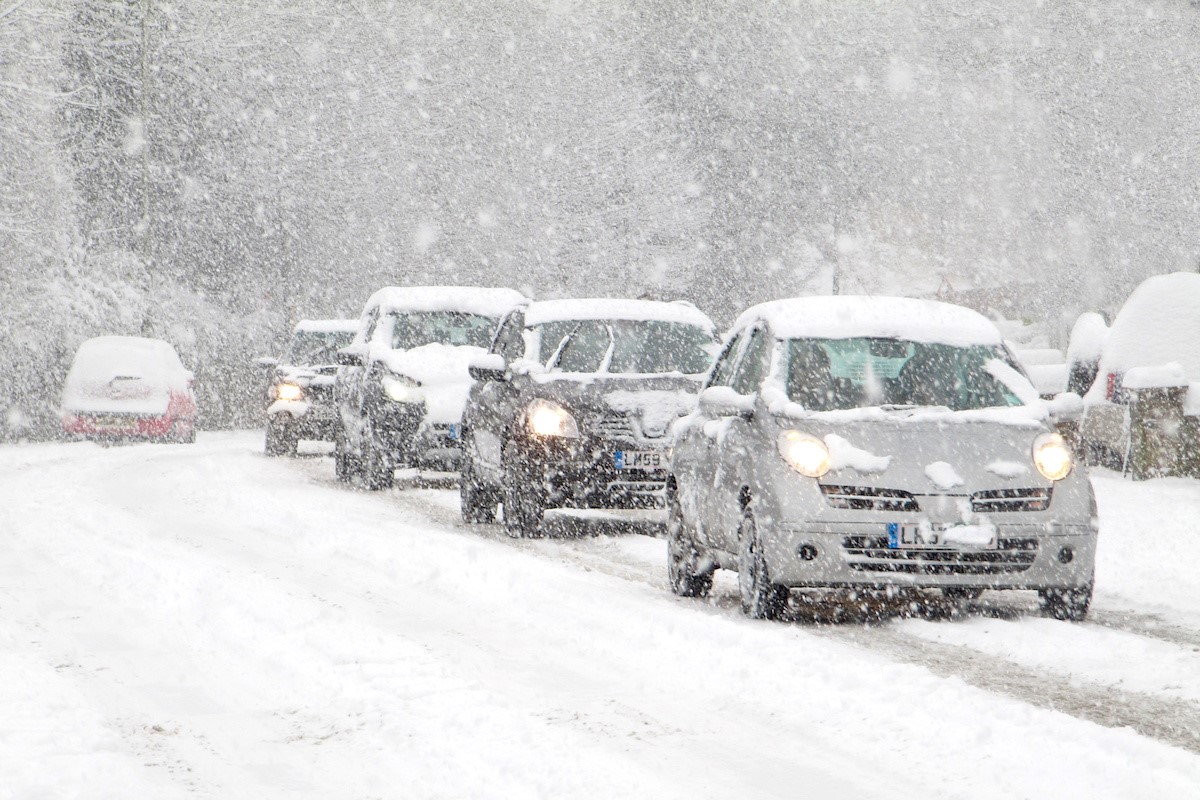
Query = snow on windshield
x=635 y=347
x=843 y=374
x=458 y=328
x=313 y=347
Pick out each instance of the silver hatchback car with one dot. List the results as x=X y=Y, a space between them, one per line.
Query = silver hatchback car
x=871 y=442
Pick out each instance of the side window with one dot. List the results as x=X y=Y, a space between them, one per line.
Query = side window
x=509 y=342
x=723 y=369
x=753 y=364
x=586 y=349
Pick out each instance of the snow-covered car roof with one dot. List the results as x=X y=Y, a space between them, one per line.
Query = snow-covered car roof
x=847 y=316
x=488 y=302
x=115 y=352
x=1159 y=324
x=615 y=308
x=327 y=325
x=1088 y=335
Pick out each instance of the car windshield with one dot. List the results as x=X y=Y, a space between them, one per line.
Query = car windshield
x=838 y=374
x=637 y=347
x=313 y=348
x=417 y=328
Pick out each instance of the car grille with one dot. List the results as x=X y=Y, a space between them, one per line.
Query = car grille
x=321 y=393
x=869 y=498
x=995 y=500
x=871 y=554
x=615 y=426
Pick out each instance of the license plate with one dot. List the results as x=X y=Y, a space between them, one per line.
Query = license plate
x=903 y=536
x=119 y=423
x=640 y=459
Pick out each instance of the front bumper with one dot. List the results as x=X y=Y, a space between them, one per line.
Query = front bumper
x=842 y=554
x=583 y=473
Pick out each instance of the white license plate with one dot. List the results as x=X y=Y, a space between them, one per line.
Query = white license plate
x=903 y=536
x=115 y=422
x=640 y=459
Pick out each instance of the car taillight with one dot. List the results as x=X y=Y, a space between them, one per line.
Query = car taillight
x=1110 y=387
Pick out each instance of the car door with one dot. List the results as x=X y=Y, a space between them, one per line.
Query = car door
x=734 y=444
x=491 y=404
x=694 y=460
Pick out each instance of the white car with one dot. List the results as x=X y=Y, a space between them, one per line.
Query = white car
x=128 y=387
x=863 y=442
x=1154 y=344
x=403 y=380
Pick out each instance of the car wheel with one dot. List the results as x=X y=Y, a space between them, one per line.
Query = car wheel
x=683 y=557
x=281 y=437
x=1067 y=604
x=477 y=500
x=345 y=466
x=524 y=499
x=761 y=599
x=377 y=468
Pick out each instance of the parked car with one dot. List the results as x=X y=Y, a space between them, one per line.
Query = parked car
x=1088 y=335
x=403 y=379
x=1142 y=413
x=300 y=402
x=1046 y=368
x=128 y=387
x=574 y=405
x=855 y=442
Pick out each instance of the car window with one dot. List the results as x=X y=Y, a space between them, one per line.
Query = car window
x=310 y=348
x=750 y=369
x=586 y=349
x=372 y=323
x=837 y=374
x=723 y=371
x=418 y=328
x=549 y=336
x=656 y=346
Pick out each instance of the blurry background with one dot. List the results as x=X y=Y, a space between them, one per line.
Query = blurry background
x=210 y=171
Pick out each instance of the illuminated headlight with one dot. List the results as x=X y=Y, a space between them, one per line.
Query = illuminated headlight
x=1051 y=456
x=548 y=418
x=806 y=454
x=289 y=391
x=402 y=390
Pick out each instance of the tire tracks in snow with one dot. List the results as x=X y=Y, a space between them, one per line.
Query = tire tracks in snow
x=1172 y=721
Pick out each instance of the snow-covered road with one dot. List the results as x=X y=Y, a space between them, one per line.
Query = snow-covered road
x=203 y=621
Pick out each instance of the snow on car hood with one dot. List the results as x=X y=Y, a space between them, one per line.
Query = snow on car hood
x=926 y=456
x=441 y=369
x=655 y=409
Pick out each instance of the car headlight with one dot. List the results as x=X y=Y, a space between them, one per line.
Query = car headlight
x=1052 y=457
x=289 y=391
x=548 y=418
x=806 y=454
x=400 y=389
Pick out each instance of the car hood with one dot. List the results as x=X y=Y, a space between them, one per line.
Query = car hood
x=650 y=403
x=927 y=457
x=441 y=369
x=323 y=375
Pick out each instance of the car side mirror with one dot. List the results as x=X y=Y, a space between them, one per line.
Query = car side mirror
x=349 y=358
x=490 y=367
x=722 y=401
x=267 y=362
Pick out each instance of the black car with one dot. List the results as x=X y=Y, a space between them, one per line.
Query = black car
x=299 y=394
x=574 y=405
x=403 y=380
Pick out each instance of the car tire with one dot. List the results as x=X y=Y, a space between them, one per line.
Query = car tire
x=281 y=437
x=761 y=599
x=378 y=471
x=478 y=501
x=683 y=556
x=1070 y=605
x=345 y=466
x=524 y=499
